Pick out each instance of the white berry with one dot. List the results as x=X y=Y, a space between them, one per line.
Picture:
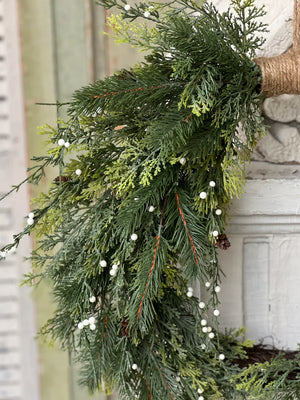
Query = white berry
x=200 y=391
x=151 y=208
x=92 y=299
x=30 y=221
x=134 y=237
x=200 y=398
x=211 y=335
x=182 y=161
x=80 y=325
x=147 y=14
x=31 y=215
x=221 y=357
x=218 y=211
x=215 y=233
x=112 y=272
x=92 y=327
x=114 y=267
x=127 y=7
x=78 y=172
x=92 y=320
x=190 y=289
x=203 y=195
x=61 y=142
x=209 y=329
x=203 y=322
x=207 y=284
x=203 y=346
x=103 y=263
x=212 y=183
x=67 y=145
x=134 y=367
x=201 y=304
x=178 y=378
x=86 y=322
x=216 y=313
x=204 y=330
x=189 y=294
x=217 y=289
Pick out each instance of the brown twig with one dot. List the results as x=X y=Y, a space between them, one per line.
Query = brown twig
x=187 y=229
x=162 y=375
x=154 y=256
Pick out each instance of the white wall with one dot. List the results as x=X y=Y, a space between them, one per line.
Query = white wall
x=262 y=267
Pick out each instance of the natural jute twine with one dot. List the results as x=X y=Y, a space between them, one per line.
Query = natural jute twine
x=281 y=74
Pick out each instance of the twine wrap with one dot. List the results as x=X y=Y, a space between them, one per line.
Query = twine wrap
x=281 y=74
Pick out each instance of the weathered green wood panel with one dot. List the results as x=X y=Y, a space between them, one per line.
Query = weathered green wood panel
x=38 y=67
x=99 y=41
x=39 y=86
x=121 y=55
x=70 y=41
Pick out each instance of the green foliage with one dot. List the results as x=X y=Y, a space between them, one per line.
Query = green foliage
x=276 y=380
x=122 y=232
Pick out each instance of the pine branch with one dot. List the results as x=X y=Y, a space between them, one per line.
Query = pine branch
x=154 y=256
x=148 y=388
x=161 y=373
x=187 y=229
x=137 y=89
x=34 y=177
x=149 y=276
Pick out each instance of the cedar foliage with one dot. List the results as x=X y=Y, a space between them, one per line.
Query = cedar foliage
x=147 y=141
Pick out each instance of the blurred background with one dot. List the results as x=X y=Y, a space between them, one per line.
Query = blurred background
x=49 y=48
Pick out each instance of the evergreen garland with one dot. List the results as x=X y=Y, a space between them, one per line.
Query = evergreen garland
x=134 y=219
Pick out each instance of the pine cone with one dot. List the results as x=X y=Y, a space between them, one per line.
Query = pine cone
x=124 y=328
x=62 y=179
x=223 y=242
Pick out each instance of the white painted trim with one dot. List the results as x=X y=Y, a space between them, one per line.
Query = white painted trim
x=264 y=230
x=264 y=224
x=269 y=197
x=267 y=207
x=256 y=287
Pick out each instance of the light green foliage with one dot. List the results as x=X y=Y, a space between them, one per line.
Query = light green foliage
x=123 y=223
x=276 y=380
